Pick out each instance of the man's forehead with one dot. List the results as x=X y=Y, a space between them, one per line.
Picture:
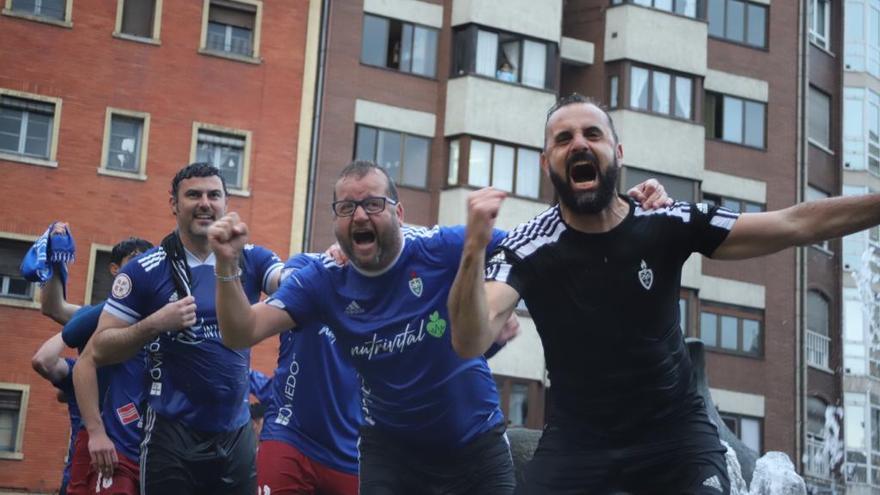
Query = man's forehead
x=212 y=183
x=372 y=180
x=577 y=115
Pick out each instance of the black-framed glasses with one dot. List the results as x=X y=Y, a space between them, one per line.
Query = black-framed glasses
x=372 y=205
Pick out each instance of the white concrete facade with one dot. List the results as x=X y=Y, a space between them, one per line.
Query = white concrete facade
x=536 y=19
x=738 y=402
x=736 y=85
x=576 y=52
x=522 y=357
x=414 y=11
x=732 y=185
x=661 y=144
x=453 y=209
x=395 y=118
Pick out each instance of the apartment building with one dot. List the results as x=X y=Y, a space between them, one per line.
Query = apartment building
x=100 y=104
x=725 y=101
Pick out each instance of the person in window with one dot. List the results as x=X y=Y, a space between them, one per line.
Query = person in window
x=601 y=278
x=506 y=72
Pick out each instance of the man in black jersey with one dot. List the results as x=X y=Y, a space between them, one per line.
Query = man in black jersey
x=601 y=278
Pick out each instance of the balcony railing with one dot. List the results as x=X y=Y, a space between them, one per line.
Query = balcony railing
x=817 y=349
x=815 y=459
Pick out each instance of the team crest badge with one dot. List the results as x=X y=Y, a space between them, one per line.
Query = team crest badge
x=121 y=286
x=646 y=276
x=415 y=285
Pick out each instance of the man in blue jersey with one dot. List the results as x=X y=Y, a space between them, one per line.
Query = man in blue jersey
x=120 y=389
x=432 y=420
x=197 y=436
x=601 y=278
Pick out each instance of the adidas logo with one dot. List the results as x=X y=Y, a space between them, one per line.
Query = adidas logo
x=713 y=482
x=353 y=309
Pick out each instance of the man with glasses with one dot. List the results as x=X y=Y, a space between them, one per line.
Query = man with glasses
x=432 y=420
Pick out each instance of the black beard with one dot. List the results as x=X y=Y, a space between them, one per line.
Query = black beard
x=586 y=202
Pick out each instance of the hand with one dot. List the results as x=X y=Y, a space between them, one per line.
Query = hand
x=483 y=207
x=60 y=228
x=509 y=331
x=102 y=452
x=337 y=254
x=227 y=237
x=175 y=316
x=651 y=194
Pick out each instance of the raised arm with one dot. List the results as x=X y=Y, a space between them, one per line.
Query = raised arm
x=477 y=310
x=52 y=302
x=757 y=234
x=241 y=325
x=47 y=361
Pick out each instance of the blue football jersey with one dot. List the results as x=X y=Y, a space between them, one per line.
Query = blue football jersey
x=192 y=377
x=66 y=385
x=315 y=399
x=124 y=382
x=393 y=327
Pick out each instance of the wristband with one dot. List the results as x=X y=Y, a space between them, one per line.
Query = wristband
x=227 y=278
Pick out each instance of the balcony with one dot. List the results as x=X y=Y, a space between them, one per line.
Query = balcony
x=536 y=19
x=817 y=350
x=675 y=42
x=650 y=141
x=816 y=460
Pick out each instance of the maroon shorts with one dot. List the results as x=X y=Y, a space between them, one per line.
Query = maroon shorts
x=283 y=470
x=125 y=480
x=80 y=465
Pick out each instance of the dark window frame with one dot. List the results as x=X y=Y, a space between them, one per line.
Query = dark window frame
x=404 y=136
x=403 y=24
x=700 y=13
x=741 y=314
x=673 y=75
x=736 y=419
x=720 y=97
x=464 y=154
x=719 y=200
x=745 y=43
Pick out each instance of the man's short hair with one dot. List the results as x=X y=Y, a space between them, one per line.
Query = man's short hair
x=359 y=168
x=129 y=246
x=579 y=98
x=197 y=169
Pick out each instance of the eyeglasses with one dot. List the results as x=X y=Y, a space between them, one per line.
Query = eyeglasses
x=372 y=206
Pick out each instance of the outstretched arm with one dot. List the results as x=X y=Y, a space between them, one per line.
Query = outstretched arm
x=477 y=310
x=241 y=325
x=85 y=385
x=47 y=361
x=757 y=234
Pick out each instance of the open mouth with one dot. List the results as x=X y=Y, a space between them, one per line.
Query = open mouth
x=209 y=218
x=362 y=237
x=583 y=172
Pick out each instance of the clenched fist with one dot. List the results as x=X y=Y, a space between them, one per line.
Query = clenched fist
x=175 y=316
x=483 y=207
x=228 y=237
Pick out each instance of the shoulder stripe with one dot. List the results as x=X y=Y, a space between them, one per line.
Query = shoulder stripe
x=540 y=231
x=122 y=312
x=411 y=232
x=679 y=210
x=153 y=260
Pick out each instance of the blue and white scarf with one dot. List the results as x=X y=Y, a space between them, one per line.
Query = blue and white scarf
x=48 y=253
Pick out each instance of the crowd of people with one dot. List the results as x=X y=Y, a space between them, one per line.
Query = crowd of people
x=382 y=385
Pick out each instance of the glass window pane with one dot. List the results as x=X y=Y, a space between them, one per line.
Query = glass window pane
x=663 y=5
x=374 y=47
x=639 y=88
x=388 y=153
x=216 y=38
x=534 y=63
x=123 y=151
x=854 y=427
x=661 y=96
x=729 y=332
x=404 y=55
x=754 y=124
x=8 y=427
x=819 y=117
x=424 y=58
x=612 y=98
x=735 y=25
x=682 y=314
x=452 y=175
x=715 y=16
x=137 y=17
x=686 y=7
x=733 y=120
x=508 y=59
x=502 y=168
x=731 y=204
x=479 y=163
x=39 y=128
x=853 y=321
x=528 y=173
x=683 y=97
x=230 y=163
x=757 y=28
x=751 y=336
x=415 y=162
x=365 y=144
x=709 y=329
x=750 y=433
x=240 y=41
x=487 y=53
x=817 y=313
x=518 y=411
x=52 y=8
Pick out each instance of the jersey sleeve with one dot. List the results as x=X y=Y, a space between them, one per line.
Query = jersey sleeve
x=452 y=239
x=709 y=226
x=296 y=295
x=264 y=262
x=130 y=294
x=504 y=266
x=77 y=332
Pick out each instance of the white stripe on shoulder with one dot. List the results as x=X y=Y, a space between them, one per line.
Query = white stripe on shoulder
x=153 y=260
x=679 y=210
x=122 y=312
x=412 y=231
x=540 y=231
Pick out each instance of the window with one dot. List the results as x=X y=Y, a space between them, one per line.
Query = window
x=226 y=149
x=819 y=127
x=739 y=21
x=862 y=36
x=28 y=127
x=613 y=90
x=732 y=204
x=232 y=28
x=816 y=460
x=12 y=285
x=817 y=339
x=678 y=188
x=504 y=56
x=854 y=245
x=861 y=129
x=13 y=407
x=138 y=18
x=683 y=314
x=813 y=194
x=819 y=14
x=855 y=437
x=454 y=158
x=660 y=92
x=399 y=45
x=854 y=332
x=404 y=156
x=101 y=280
x=511 y=168
x=734 y=119
x=50 y=9
x=746 y=428
x=681 y=7
x=731 y=329
x=125 y=142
